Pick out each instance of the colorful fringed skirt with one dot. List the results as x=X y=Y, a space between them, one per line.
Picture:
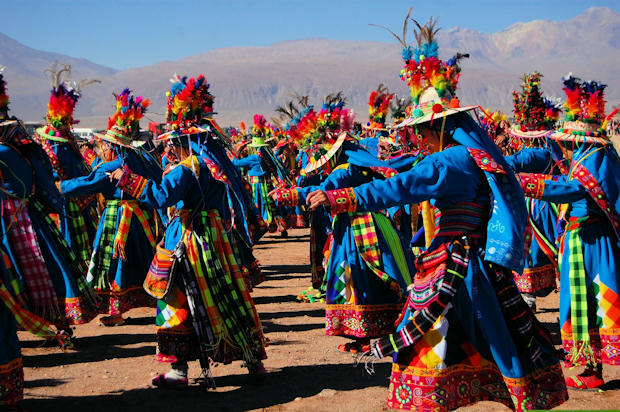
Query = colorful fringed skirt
x=590 y=278
x=486 y=345
x=122 y=254
x=540 y=272
x=368 y=272
x=214 y=290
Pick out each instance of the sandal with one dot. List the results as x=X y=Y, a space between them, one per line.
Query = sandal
x=591 y=382
x=160 y=381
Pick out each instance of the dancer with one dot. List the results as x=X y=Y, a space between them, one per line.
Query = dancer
x=535 y=121
x=125 y=240
x=466 y=334
x=590 y=245
x=56 y=138
x=207 y=312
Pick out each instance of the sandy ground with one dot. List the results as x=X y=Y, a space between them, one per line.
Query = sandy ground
x=112 y=368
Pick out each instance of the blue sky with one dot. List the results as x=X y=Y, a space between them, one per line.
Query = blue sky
x=131 y=33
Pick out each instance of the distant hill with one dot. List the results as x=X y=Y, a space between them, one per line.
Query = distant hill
x=248 y=80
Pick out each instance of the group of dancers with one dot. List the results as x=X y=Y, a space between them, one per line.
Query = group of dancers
x=431 y=237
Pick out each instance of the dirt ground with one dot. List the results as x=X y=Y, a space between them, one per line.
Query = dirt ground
x=111 y=368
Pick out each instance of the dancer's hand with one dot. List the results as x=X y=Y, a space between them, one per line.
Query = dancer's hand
x=116 y=175
x=272 y=194
x=316 y=199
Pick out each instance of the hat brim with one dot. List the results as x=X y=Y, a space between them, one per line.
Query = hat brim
x=567 y=137
x=536 y=134
x=314 y=167
x=177 y=134
x=135 y=144
x=40 y=132
x=413 y=121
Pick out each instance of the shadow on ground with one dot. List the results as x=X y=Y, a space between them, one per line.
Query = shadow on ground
x=278 y=387
x=95 y=349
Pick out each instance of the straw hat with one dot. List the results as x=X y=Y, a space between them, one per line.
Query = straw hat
x=124 y=125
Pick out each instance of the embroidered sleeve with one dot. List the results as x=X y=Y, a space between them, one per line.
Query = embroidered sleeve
x=132 y=183
x=342 y=200
x=287 y=197
x=533 y=184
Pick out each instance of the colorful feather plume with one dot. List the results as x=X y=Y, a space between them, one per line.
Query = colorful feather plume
x=422 y=67
x=378 y=106
x=129 y=111
x=188 y=101
x=529 y=106
x=585 y=100
x=261 y=127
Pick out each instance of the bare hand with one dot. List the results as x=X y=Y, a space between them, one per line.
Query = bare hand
x=116 y=175
x=316 y=199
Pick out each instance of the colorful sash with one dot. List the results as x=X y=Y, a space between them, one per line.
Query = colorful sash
x=78 y=232
x=578 y=292
x=367 y=242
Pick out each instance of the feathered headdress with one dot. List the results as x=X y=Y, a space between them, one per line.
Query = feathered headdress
x=188 y=101
x=4 y=97
x=63 y=98
x=529 y=106
x=423 y=72
x=585 y=101
x=124 y=125
x=378 y=106
x=584 y=112
x=129 y=111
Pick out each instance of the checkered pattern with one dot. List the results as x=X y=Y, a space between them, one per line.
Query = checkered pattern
x=30 y=260
x=79 y=234
x=577 y=287
x=102 y=256
x=131 y=208
x=367 y=243
x=77 y=267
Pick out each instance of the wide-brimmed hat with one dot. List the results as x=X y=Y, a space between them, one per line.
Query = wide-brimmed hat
x=584 y=112
x=431 y=108
x=325 y=161
x=124 y=126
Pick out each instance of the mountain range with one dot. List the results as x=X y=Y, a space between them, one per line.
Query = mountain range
x=248 y=80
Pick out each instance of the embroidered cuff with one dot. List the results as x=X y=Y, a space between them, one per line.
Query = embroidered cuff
x=533 y=184
x=342 y=200
x=131 y=183
x=287 y=197
x=89 y=156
